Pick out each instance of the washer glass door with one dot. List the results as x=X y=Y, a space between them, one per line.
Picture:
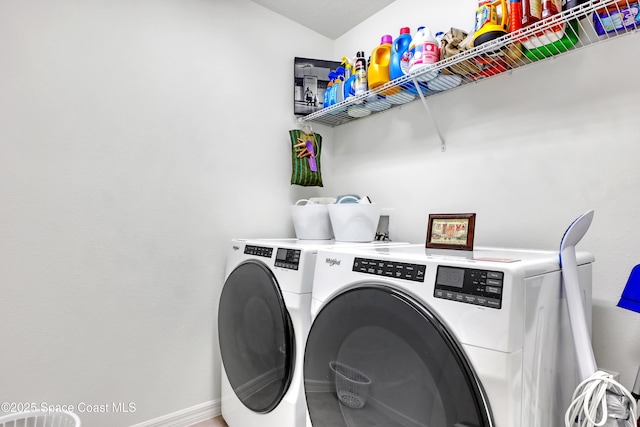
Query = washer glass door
x=377 y=357
x=256 y=337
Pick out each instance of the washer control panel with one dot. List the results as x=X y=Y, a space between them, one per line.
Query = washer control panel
x=394 y=269
x=258 y=251
x=288 y=258
x=470 y=286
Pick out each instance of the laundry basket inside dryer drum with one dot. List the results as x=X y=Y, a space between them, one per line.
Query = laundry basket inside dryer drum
x=416 y=371
x=257 y=341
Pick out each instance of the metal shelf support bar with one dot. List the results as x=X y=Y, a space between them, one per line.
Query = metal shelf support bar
x=443 y=143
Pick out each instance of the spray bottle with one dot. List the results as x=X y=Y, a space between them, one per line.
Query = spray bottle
x=350 y=78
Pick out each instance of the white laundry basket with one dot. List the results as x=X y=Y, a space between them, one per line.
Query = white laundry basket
x=354 y=222
x=40 y=419
x=311 y=221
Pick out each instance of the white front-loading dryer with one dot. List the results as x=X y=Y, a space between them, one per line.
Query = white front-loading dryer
x=401 y=337
x=263 y=321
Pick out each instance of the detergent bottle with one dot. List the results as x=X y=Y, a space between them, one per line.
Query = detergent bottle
x=349 y=87
x=327 y=91
x=337 y=92
x=360 y=70
x=426 y=51
x=515 y=15
x=550 y=8
x=492 y=21
x=531 y=12
x=400 y=54
x=379 y=66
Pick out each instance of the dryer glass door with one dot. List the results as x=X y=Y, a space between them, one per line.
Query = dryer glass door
x=256 y=337
x=376 y=357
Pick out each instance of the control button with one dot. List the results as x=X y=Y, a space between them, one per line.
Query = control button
x=493 y=290
x=494 y=282
x=494 y=303
x=495 y=275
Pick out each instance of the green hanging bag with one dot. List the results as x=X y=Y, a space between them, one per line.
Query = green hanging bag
x=305 y=158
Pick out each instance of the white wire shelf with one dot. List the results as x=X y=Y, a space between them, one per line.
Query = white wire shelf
x=538 y=42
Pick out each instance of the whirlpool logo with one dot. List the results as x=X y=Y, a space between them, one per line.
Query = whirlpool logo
x=332 y=261
x=236 y=247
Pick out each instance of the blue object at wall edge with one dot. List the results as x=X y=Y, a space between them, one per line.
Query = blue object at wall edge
x=630 y=298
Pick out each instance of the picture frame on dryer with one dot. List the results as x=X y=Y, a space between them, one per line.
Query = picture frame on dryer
x=451 y=231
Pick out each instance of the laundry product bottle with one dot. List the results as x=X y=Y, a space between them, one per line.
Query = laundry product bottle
x=492 y=21
x=337 y=93
x=349 y=87
x=400 y=54
x=549 y=9
x=568 y=4
x=327 y=91
x=531 y=12
x=515 y=15
x=425 y=50
x=360 y=70
x=379 y=66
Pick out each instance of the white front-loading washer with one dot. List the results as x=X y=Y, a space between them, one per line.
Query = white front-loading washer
x=263 y=321
x=402 y=337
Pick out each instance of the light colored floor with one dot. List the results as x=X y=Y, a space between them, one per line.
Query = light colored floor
x=214 y=422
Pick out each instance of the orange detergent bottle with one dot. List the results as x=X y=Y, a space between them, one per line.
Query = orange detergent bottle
x=378 y=73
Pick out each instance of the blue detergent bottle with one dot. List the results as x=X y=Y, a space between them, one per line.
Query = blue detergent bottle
x=400 y=54
x=337 y=94
x=327 y=91
x=401 y=58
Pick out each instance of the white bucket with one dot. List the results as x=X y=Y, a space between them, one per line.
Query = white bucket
x=311 y=221
x=354 y=222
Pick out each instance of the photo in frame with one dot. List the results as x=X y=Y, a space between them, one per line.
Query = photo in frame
x=310 y=80
x=451 y=231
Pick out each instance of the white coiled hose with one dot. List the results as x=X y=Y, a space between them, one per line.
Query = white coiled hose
x=596 y=398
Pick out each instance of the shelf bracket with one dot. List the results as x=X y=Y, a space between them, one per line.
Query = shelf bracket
x=443 y=143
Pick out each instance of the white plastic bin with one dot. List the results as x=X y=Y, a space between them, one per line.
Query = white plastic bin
x=311 y=221
x=354 y=222
x=40 y=419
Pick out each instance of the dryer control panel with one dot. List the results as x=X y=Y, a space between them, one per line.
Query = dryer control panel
x=398 y=270
x=258 y=251
x=288 y=258
x=470 y=286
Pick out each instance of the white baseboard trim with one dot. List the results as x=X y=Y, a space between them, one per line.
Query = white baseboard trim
x=186 y=417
